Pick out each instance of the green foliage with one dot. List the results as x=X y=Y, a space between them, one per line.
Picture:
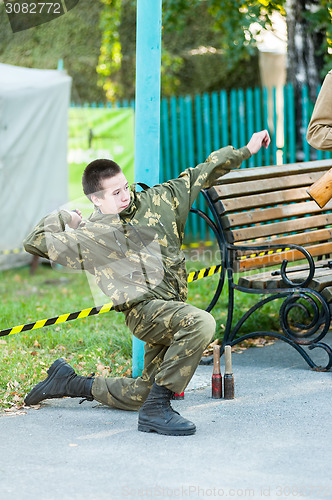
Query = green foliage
x=320 y=21
x=96 y=40
x=186 y=27
x=110 y=51
x=170 y=68
x=74 y=37
x=233 y=19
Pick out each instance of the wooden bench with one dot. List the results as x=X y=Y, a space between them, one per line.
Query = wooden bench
x=264 y=217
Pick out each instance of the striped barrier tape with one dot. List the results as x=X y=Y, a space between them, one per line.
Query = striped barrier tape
x=13 y=251
x=203 y=273
x=91 y=311
x=198 y=245
x=263 y=253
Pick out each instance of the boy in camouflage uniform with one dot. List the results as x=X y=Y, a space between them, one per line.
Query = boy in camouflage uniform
x=132 y=245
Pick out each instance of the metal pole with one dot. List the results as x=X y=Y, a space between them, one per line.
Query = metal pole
x=147 y=112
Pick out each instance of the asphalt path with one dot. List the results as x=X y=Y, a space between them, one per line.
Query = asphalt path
x=272 y=441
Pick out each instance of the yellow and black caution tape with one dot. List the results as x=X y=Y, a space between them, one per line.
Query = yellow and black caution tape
x=263 y=253
x=198 y=244
x=203 y=273
x=91 y=311
x=58 y=319
x=13 y=251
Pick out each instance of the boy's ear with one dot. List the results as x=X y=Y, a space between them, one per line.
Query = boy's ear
x=95 y=200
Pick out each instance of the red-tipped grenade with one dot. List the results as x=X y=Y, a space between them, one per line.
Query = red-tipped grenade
x=216 y=375
x=228 y=377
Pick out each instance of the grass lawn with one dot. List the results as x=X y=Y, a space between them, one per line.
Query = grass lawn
x=100 y=344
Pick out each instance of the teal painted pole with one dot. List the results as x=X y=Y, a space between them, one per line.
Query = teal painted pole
x=147 y=116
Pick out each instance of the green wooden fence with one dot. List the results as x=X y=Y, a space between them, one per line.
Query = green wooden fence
x=193 y=126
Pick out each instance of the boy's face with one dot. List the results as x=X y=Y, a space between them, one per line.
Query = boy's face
x=115 y=195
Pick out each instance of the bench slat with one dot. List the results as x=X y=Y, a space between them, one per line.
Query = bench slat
x=261 y=200
x=270 y=214
x=274 y=259
x=266 y=185
x=264 y=230
x=302 y=239
x=327 y=294
x=263 y=281
x=272 y=171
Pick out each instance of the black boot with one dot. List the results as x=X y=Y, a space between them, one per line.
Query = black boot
x=157 y=415
x=61 y=381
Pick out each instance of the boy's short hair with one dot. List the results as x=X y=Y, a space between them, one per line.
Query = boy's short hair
x=95 y=173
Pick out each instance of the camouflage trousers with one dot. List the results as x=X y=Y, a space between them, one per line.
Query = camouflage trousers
x=175 y=336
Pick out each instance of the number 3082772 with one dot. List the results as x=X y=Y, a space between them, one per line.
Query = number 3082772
x=33 y=8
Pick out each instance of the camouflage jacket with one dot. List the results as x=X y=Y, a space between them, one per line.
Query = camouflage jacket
x=135 y=255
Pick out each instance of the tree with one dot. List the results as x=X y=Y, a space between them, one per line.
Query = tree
x=309 y=26
x=309 y=40
x=231 y=35
x=309 y=32
x=193 y=58
x=74 y=37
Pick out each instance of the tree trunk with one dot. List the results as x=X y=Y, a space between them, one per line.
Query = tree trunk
x=303 y=61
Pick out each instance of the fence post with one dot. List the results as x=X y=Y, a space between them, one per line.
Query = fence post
x=215 y=121
x=258 y=122
x=250 y=121
x=166 y=174
x=305 y=121
x=199 y=129
x=224 y=118
x=184 y=158
x=234 y=119
x=175 y=145
x=265 y=122
x=242 y=121
x=291 y=123
x=189 y=121
x=274 y=136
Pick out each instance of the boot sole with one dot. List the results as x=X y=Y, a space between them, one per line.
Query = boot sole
x=54 y=368
x=165 y=432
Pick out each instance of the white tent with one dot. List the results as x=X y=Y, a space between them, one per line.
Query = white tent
x=33 y=147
